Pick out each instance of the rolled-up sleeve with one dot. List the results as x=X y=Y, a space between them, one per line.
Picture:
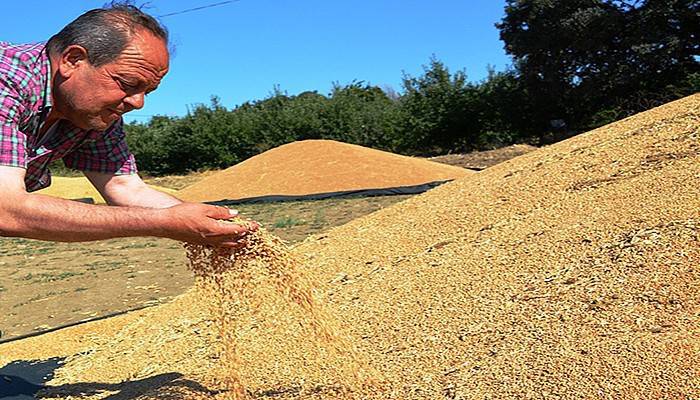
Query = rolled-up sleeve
x=13 y=142
x=107 y=153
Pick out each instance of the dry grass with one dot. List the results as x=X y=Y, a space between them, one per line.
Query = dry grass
x=570 y=272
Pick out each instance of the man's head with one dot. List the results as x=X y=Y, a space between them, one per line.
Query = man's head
x=105 y=62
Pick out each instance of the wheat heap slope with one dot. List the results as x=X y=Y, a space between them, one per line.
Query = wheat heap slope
x=318 y=166
x=570 y=272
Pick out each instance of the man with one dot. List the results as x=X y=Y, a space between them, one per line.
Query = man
x=66 y=100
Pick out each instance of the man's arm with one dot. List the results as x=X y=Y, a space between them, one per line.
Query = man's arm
x=130 y=191
x=42 y=217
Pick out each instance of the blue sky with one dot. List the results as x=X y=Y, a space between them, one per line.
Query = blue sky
x=240 y=51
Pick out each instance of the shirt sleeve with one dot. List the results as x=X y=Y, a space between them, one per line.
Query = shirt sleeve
x=107 y=153
x=13 y=142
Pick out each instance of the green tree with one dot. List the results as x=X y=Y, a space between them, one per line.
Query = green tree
x=433 y=105
x=282 y=119
x=209 y=136
x=362 y=114
x=150 y=144
x=578 y=58
x=504 y=110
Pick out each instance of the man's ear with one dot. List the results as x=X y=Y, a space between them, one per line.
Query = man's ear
x=72 y=58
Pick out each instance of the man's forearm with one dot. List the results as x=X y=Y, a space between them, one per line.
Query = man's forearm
x=129 y=191
x=141 y=196
x=42 y=217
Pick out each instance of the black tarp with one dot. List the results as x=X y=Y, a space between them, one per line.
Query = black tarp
x=392 y=191
x=400 y=190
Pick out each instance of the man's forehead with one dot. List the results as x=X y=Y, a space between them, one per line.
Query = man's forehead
x=145 y=54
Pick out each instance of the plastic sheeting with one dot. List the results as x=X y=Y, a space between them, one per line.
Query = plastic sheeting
x=402 y=190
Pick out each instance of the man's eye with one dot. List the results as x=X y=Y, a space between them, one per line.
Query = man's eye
x=127 y=85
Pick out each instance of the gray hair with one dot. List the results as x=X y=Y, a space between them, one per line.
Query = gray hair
x=105 y=32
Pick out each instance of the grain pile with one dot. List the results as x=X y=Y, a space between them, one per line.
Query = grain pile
x=232 y=280
x=318 y=166
x=79 y=188
x=570 y=272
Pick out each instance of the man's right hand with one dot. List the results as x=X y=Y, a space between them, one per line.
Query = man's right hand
x=201 y=223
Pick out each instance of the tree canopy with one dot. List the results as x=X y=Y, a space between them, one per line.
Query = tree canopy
x=578 y=58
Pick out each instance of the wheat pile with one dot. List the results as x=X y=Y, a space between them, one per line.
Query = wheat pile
x=318 y=166
x=569 y=273
x=238 y=282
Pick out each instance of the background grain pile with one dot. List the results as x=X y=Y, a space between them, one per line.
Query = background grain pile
x=318 y=166
x=570 y=272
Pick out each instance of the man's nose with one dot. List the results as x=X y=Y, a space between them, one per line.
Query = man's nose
x=136 y=101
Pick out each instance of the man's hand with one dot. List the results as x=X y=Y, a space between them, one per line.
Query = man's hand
x=193 y=223
x=200 y=223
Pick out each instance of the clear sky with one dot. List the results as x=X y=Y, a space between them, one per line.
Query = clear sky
x=240 y=51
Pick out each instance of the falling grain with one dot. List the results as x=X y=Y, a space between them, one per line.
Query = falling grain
x=227 y=278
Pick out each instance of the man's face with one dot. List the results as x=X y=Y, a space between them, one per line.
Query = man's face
x=95 y=97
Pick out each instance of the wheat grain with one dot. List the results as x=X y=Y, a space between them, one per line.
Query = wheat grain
x=226 y=277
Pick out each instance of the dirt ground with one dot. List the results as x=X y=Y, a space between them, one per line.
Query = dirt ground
x=480 y=160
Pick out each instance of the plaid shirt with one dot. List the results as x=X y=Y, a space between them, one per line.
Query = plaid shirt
x=25 y=101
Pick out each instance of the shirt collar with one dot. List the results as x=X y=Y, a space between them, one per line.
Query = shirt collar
x=46 y=73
